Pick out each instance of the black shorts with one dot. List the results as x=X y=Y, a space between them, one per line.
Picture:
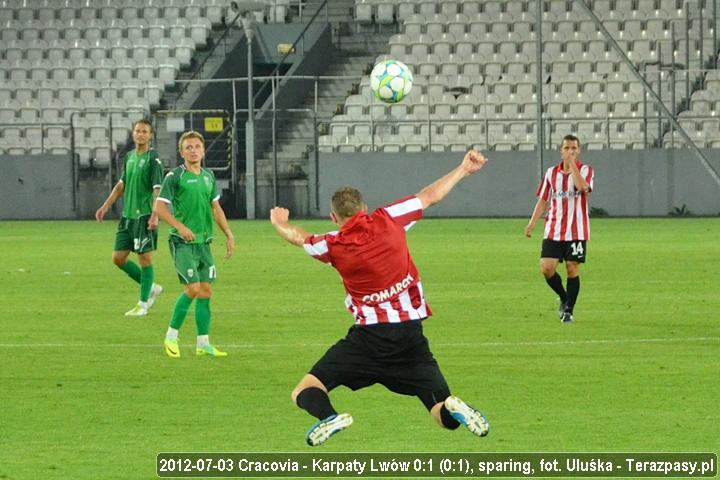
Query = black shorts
x=396 y=355
x=574 y=251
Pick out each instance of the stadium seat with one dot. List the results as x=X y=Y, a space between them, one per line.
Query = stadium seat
x=199 y=31
x=326 y=144
x=364 y=12
x=405 y=9
x=385 y=12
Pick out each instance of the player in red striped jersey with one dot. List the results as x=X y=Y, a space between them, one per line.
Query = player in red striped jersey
x=566 y=187
x=384 y=293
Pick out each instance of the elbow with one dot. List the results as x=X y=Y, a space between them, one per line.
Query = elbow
x=427 y=199
x=298 y=240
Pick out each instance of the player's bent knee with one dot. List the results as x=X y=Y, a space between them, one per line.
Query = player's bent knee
x=573 y=269
x=205 y=290
x=547 y=269
x=308 y=381
x=192 y=290
x=145 y=259
x=119 y=259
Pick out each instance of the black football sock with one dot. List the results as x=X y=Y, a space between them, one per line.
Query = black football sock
x=316 y=402
x=555 y=283
x=447 y=419
x=573 y=289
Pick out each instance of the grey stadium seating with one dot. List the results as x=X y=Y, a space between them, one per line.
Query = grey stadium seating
x=475 y=60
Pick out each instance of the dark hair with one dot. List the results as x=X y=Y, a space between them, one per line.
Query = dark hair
x=570 y=138
x=144 y=121
x=346 y=202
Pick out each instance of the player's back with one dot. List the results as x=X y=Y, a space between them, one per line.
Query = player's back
x=370 y=253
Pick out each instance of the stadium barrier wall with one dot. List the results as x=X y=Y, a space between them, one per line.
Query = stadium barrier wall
x=629 y=183
x=37 y=187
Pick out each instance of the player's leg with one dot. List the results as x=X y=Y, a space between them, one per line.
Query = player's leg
x=185 y=266
x=312 y=396
x=121 y=251
x=121 y=260
x=202 y=321
x=146 y=285
x=462 y=413
x=450 y=412
x=447 y=410
x=149 y=290
x=575 y=254
x=573 y=289
x=345 y=363
x=145 y=242
x=550 y=256
x=420 y=375
x=206 y=274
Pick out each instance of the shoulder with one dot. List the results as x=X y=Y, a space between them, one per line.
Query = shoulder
x=174 y=173
x=401 y=206
x=208 y=173
x=153 y=155
x=321 y=238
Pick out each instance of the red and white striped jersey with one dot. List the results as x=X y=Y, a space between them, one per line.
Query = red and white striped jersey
x=371 y=254
x=568 y=216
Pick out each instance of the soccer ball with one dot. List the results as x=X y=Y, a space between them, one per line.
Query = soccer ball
x=391 y=81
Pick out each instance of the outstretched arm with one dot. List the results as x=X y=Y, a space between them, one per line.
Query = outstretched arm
x=116 y=193
x=436 y=191
x=279 y=217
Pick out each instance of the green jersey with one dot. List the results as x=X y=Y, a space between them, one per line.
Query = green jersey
x=191 y=197
x=142 y=173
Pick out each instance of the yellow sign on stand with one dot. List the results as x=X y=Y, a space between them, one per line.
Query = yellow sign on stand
x=214 y=124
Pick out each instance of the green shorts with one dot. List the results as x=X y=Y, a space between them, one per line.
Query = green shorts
x=193 y=261
x=133 y=235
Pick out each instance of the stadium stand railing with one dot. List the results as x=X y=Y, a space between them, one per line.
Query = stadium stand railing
x=474 y=62
x=58 y=58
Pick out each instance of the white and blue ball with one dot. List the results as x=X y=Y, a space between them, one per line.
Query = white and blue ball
x=391 y=81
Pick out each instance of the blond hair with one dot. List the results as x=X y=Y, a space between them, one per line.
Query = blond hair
x=190 y=134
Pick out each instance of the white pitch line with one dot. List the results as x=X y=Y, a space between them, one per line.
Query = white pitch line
x=303 y=345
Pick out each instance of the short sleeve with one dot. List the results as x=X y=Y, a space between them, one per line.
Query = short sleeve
x=157 y=173
x=169 y=187
x=590 y=177
x=405 y=211
x=544 y=188
x=214 y=195
x=317 y=247
x=122 y=177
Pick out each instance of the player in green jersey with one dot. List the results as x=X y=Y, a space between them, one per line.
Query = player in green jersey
x=137 y=229
x=191 y=191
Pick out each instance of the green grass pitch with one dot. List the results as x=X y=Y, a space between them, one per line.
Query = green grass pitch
x=87 y=393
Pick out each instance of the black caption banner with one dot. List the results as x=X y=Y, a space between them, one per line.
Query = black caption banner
x=434 y=465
